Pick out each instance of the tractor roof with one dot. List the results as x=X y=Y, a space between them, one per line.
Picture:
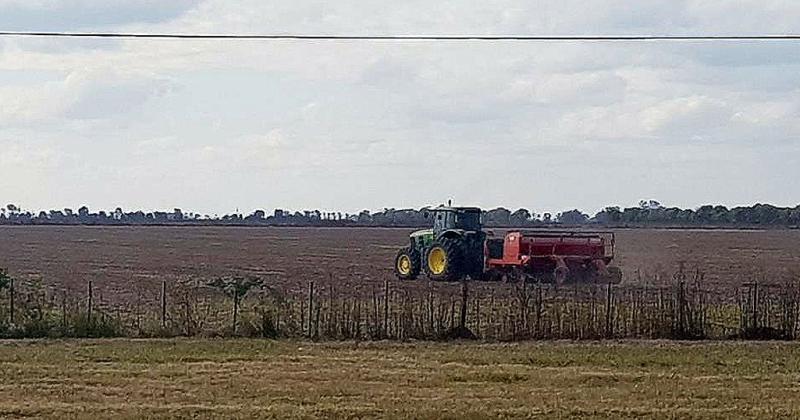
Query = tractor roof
x=458 y=209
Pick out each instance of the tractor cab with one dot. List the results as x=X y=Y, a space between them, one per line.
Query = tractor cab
x=456 y=218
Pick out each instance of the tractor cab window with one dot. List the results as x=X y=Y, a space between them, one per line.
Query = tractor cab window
x=441 y=222
x=457 y=220
x=468 y=221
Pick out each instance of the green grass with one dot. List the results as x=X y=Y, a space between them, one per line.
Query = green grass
x=285 y=379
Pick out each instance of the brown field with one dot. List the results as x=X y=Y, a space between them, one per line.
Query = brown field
x=115 y=258
x=287 y=379
x=489 y=378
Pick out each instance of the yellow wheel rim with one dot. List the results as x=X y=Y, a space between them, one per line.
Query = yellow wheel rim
x=437 y=260
x=404 y=265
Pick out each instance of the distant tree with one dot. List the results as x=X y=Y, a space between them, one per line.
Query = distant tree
x=712 y=215
x=650 y=204
x=56 y=216
x=258 y=216
x=647 y=213
x=609 y=215
x=572 y=217
x=521 y=217
x=364 y=217
x=498 y=217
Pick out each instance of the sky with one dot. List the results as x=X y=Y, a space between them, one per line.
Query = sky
x=214 y=126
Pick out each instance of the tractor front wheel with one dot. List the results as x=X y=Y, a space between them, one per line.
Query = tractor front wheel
x=443 y=260
x=407 y=264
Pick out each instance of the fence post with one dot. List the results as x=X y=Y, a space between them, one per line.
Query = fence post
x=163 y=304
x=682 y=310
x=89 y=303
x=755 y=305
x=64 y=310
x=11 y=300
x=609 y=331
x=310 y=307
x=478 y=316
x=464 y=299
x=235 y=307
x=539 y=310
x=386 y=308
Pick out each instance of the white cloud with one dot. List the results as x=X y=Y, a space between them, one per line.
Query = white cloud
x=88 y=93
x=367 y=124
x=55 y=15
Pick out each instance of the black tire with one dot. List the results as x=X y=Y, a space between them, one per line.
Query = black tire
x=414 y=267
x=561 y=275
x=453 y=269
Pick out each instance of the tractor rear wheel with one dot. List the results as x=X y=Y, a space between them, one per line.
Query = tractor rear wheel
x=444 y=260
x=407 y=264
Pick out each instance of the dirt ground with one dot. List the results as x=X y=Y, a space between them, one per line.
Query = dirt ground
x=115 y=258
x=181 y=378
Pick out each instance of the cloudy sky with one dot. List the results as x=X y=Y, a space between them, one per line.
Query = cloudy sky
x=212 y=126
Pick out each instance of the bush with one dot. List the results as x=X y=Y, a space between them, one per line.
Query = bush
x=98 y=327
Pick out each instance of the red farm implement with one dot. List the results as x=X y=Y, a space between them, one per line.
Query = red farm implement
x=553 y=256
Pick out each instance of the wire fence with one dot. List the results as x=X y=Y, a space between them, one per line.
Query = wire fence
x=393 y=310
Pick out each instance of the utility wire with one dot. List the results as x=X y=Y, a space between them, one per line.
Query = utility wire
x=567 y=38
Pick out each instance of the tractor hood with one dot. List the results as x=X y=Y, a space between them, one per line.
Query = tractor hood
x=424 y=232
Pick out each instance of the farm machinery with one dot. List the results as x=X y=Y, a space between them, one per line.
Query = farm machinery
x=457 y=247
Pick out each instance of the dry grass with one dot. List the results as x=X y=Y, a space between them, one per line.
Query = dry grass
x=286 y=379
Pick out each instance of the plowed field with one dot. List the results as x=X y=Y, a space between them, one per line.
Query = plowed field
x=115 y=258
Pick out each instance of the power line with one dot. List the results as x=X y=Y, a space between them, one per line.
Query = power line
x=564 y=38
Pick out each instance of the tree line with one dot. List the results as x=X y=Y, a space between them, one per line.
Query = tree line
x=647 y=213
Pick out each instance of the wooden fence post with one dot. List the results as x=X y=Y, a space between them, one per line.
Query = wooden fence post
x=464 y=299
x=682 y=310
x=609 y=331
x=11 y=300
x=235 y=308
x=163 y=304
x=478 y=316
x=310 y=307
x=64 y=310
x=755 y=305
x=539 y=303
x=89 y=303
x=386 y=308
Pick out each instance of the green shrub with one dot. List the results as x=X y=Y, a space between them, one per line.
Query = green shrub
x=96 y=327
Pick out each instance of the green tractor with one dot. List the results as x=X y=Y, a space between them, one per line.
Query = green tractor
x=451 y=250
